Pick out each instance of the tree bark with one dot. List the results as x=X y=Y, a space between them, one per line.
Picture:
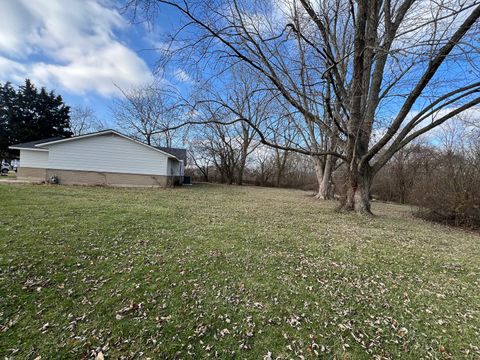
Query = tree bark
x=241 y=169
x=324 y=191
x=205 y=174
x=357 y=192
x=280 y=162
x=325 y=188
x=318 y=164
x=324 y=170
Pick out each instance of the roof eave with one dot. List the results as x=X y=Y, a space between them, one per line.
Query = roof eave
x=27 y=148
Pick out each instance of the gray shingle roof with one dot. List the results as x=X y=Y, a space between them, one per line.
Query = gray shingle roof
x=180 y=154
x=31 y=144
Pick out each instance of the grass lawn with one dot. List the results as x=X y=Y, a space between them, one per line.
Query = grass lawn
x=228 y=272
x=11 y=176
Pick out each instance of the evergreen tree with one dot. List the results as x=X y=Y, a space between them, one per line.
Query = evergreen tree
x=7 y=109
x=28 y=114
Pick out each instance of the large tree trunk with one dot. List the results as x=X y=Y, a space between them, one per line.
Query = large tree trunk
x=326 y=188
x=324 y=170
x=318 y=164
x=357 y=192
x=280 y=162
x=230 y=175
x=241 y=170
x=277 y=180
x=278 y=177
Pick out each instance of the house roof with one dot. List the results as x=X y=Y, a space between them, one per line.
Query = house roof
x=41 y=145
x=32 y=144
x=179 y=153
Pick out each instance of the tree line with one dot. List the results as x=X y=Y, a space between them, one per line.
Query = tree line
x=437 y=173
x=439 y=176
x=354 y=82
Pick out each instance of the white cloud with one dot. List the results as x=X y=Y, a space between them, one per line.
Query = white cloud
x=182 y=76
x=71 y=44
x=468 y=121
x=12 y=68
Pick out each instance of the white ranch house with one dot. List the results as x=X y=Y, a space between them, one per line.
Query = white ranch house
x=103 y=158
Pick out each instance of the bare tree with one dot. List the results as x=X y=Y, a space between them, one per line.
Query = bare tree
x=83 y=121
x=217 y=107
x=199 y=157
x=396 y=180
x=224 y=151
x=148 y=113
x=376 y=66
x=376 y=28
x=246 y=100
x=452 y=171
x=263 y=166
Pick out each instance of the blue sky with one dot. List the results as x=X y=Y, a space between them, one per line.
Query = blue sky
x=81 y=49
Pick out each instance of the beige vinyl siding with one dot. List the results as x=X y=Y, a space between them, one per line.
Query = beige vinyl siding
x=33 y=159
x=75 y=177
x=107 y=153
x=31 y=174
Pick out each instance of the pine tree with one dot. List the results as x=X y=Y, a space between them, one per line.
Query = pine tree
x=28 y=114
x=7 y=110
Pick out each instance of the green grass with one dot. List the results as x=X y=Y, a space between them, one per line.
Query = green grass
x=229 y=272
x=10 y=176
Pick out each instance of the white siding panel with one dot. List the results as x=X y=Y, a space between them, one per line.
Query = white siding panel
x=107 y=153
x=33 y=159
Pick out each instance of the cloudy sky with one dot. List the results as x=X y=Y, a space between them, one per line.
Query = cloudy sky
x=80 y=48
